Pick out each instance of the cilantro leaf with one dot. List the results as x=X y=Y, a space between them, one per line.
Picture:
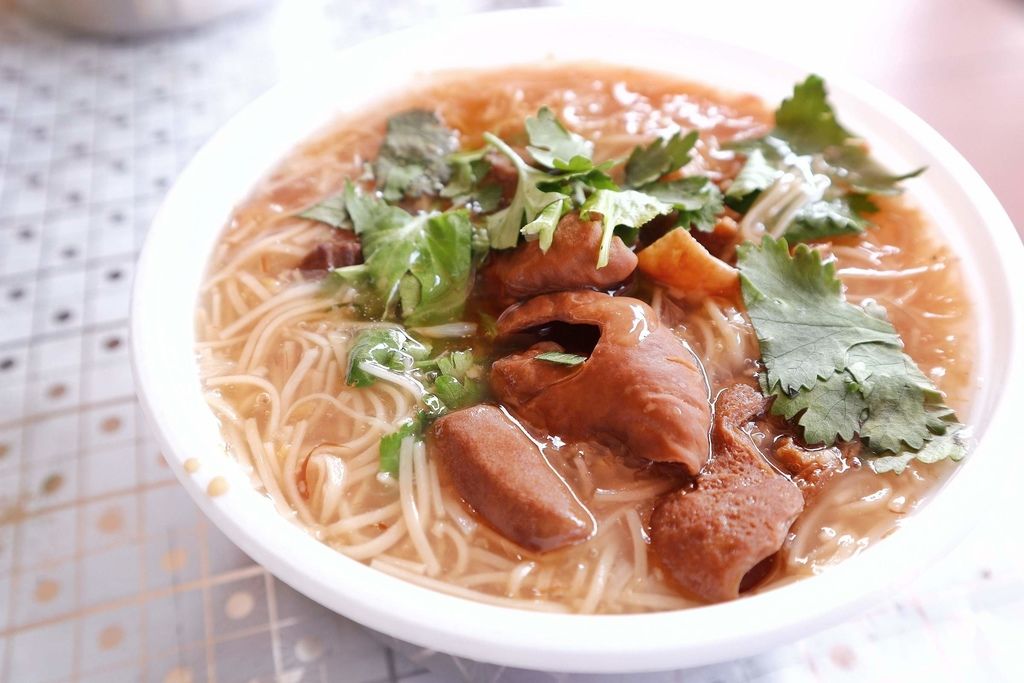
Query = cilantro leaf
x=330 y=211
x=391 y=445
x=903 y=406
x=835 y=166
x=866 y=176
x=527 y=203
x=457 y=364
x=825 y=218
x=950 y=445
x=560 y=358
x=418 y=268
x=832 y=408
x=413 y=157
x=455 y=378
x=466 y=185
x=450 y=381
x=455 y=393
x=387 y=347
x=627 y=208
x=576 y=185
x=696 y=200
x=467 y=169
x=545 y=223
x=756 y=176
x=457 y=386
x=839 y=369
x=804 y=326
x=808 y=124
x=648 y=164
x=552 y=145
x=542 y=197
x=807 y=121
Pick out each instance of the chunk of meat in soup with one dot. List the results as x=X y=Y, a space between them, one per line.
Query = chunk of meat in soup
x=501 y=473
x=342 y=249
x=811 y=468
x=710 y=538
x=641 y=390
x=570 y=263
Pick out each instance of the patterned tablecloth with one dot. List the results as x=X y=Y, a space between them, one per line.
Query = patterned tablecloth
x=107 y=571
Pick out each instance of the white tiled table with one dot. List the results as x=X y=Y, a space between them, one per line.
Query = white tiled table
x=108 y=573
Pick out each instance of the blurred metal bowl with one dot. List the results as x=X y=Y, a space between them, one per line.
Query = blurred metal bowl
x=131 y=17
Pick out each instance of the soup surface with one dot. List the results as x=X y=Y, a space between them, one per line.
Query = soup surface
x=276 y=335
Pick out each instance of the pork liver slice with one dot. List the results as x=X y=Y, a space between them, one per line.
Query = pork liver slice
x=501 y=473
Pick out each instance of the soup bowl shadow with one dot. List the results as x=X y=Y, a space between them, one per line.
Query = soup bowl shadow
x=224 y=171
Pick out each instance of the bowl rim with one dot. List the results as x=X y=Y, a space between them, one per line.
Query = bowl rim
x=557 y=642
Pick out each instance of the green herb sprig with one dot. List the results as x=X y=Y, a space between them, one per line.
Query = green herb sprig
x=836 y=368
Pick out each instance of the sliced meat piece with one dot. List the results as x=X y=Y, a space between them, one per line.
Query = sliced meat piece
x=810 y=468
x=710 y=538
x=501 y=473
x=640 y=390
x=570 y=263
x=343 y=249
x=680 y=261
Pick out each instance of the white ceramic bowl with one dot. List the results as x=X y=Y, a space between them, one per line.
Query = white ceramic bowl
x=225 y=170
